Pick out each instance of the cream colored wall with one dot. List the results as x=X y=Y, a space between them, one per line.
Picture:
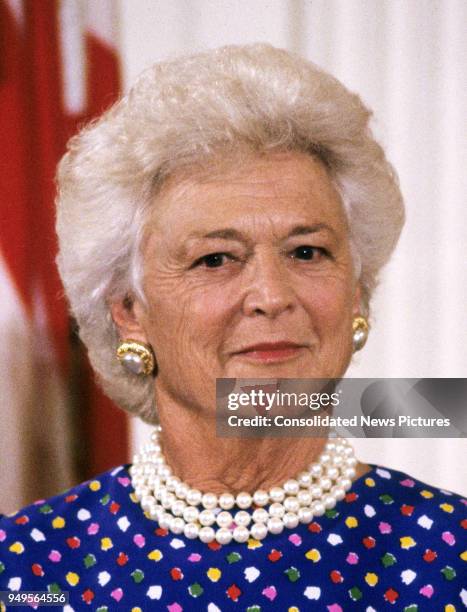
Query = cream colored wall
x=406 y=60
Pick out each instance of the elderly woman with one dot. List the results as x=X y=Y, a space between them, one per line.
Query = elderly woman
x=228 y=219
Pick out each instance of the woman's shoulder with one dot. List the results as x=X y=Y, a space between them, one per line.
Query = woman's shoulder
x=70 y=516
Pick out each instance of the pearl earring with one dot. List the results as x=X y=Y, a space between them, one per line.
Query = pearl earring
x=360 y=331
x=136 y=357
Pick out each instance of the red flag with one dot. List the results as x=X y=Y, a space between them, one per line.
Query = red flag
x=43 y=97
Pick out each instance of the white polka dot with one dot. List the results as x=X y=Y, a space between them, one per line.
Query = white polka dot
x=408 y=576
x=383 y=473
x=369 y=511
x=213 y=608
x=177 y=543
x=103 y=578
x=68 y=608
x=37 y=535
x=334 y=539
x=154 y=592
x=463 y=596
x=425 y=521
x=123 y=523
x=251 y=573
x=14 y=584
x=312 y=592
x=83 y=514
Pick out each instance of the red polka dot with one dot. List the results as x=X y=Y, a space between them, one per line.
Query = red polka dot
x=234 y=592
x=391 y=595
x=274 y=555
x=37 y=569
x=87 y=596
x=122 y=559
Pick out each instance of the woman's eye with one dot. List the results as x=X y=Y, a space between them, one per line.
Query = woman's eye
x=307 y=252
x=213 y=260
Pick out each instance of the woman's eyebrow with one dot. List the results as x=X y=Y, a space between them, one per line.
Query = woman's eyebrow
x=233 y=234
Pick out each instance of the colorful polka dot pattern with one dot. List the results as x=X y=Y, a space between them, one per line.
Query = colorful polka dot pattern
x=392 y=543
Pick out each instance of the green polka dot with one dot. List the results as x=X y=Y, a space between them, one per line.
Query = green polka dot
x=331 y=513
x=233 y=557
x=411 y=608
x=102 y=609
x=54 y=587
x=449 y=572
x=89 y=560
x=137 y=575
x=253 y=609
x=355 y=593
x=292 y=573
x=388 y=559
x=2 y=567
x=195 y=589
x=105 y=500
x=386 y=499
x=45 y=509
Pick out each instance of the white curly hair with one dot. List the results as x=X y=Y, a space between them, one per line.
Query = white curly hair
x=179 y=115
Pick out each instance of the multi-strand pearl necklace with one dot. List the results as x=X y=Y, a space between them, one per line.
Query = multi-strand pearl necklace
x=181 y=509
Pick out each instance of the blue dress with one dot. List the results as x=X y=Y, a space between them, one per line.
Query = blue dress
x=393 y=543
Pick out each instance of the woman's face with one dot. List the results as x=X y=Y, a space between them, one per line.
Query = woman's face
x=248 y=274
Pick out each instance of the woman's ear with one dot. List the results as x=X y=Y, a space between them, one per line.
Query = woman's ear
x=357 y=301
x=128 y=316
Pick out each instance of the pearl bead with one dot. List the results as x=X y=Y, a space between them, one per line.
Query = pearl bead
x=178 y=507
x=329 y=502
x=316 y=470
x=338 y=461
x=332 y=473
x=226 y=501
x=277 y=494
x=325 y=458
x=190 y=514
x=316 y=492
x=317 y=508
x=351 y=462
x=224 y=519
x=304 y=479
x=146 y=501
x=191 y=531
x=242 y=518
x=290 y=520
x=241 y=534
x=164 y=471
x=164 y=520
x=181 y=490
x=171 y=483
x=305 y=515
x=349 y=472
x=194 y=497
x=291 y=504
x=223 y=535
x=243 y=500
x=345 y=483
x=304 y=497
x=177 y=525
x=276 y=509
x=275 y=525
x=209 y=500
x=260 y=515
x=291 y=487
x=167 y=500
x=261 y=497
x=338 y=492
x=206 y=517
x=259 y=531
x=206 y=534
x=325 y=483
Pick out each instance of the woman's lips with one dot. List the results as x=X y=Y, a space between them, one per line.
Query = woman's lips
x=280 y=351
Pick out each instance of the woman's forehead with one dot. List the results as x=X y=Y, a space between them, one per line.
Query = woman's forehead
x=291 y=189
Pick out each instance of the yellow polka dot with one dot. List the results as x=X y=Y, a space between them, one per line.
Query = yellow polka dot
x=155 y=555
x=426 y=494
x=407 y=542
x=95 y=485
x=463 y=555
x=351 y=522
x=371 y=579
x=58 y=522
x=2 y=607
x=313 y=554
x=72 y=578
x=106 y=544
x=447 y=507
x=369 y=482
x=449 y=608
x=214 y=574
x=133 y=498
x=293 y=609
x=252 y=544
x=17 y=548
x=136 y=610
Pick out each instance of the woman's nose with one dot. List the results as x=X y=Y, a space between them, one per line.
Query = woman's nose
x=269 y=290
